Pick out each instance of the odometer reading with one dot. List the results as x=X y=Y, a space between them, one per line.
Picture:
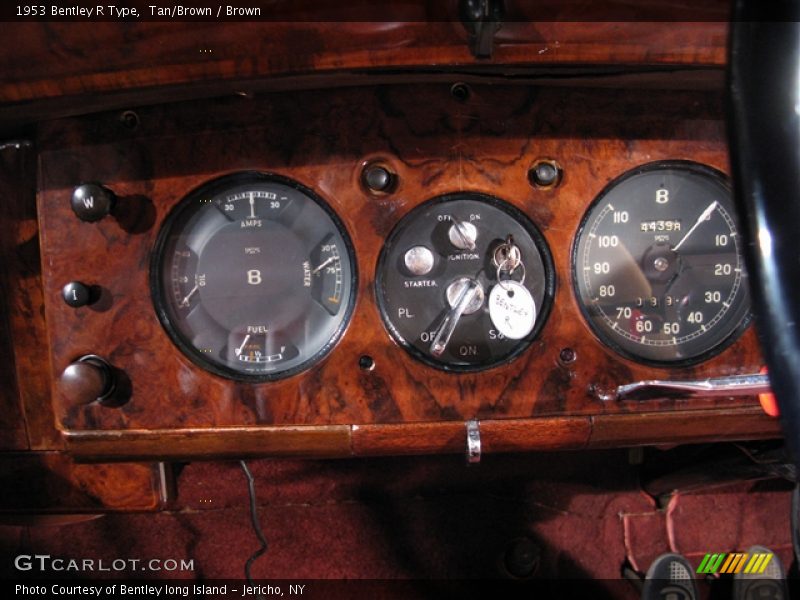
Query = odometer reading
x=253 y=277
x=658 y=265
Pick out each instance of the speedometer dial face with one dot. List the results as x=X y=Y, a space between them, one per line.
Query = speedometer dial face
x=658 y=267
x=253 y=277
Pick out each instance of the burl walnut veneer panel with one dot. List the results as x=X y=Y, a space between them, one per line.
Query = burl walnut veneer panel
x=436 y=144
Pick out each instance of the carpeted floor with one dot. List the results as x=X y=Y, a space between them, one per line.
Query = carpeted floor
x=429 y=518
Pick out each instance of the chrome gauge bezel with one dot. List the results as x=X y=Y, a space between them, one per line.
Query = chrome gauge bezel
x=743 y=314
x=158 y=292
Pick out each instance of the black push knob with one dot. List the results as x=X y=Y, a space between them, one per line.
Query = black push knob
x=91 y=202
x=378 y=178
x=76 y=294
x=545 y=173
x=88 y=379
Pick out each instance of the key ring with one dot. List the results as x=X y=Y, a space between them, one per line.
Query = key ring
x=507 y=253
x=500 y=269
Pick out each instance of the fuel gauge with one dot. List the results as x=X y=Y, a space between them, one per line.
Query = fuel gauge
x=257 y=346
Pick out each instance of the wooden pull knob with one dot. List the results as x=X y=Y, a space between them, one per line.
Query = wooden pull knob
x=89 y=379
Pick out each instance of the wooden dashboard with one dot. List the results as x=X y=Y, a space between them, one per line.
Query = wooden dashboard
x=161 y=118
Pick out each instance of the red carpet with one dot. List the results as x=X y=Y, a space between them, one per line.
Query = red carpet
x=425 y=518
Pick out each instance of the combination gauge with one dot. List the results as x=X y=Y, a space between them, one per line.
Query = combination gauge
x=658 y=266
x=465 y=282
x=253 y=277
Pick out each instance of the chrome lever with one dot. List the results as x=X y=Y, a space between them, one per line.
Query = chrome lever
x=734 y=385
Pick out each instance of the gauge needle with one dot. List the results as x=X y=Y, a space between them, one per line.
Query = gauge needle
x=448 y=326
x=238 y=351
x=252 y=206
x=185 y=301
x=705 y=215
x=324 y=264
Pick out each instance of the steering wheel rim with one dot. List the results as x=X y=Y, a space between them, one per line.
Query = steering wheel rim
x=764 y=103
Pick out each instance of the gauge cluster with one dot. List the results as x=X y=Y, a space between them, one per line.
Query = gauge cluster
x=503 y=256
x=254 y=278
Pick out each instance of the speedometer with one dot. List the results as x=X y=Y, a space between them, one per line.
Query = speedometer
x=658 y=267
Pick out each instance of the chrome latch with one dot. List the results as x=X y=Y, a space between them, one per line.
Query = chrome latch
x=473 y=441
